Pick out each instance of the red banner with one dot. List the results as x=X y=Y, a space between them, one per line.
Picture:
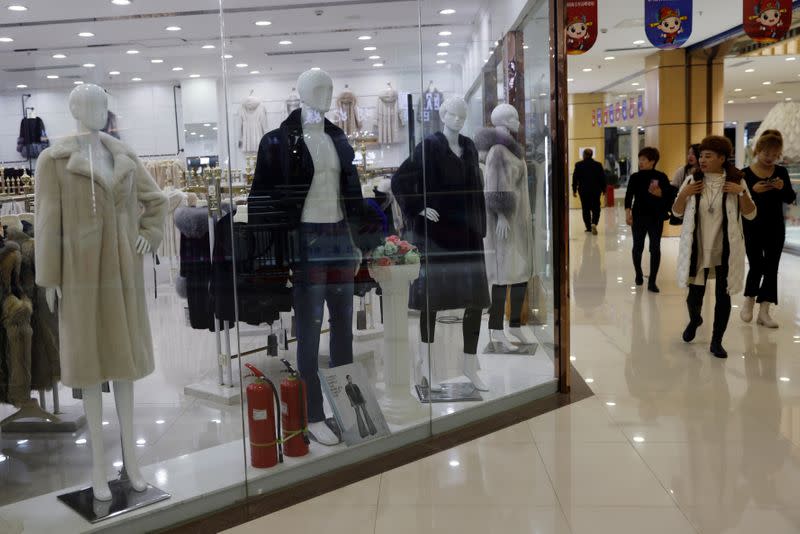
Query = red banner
x=767 y=21
x=582 y=26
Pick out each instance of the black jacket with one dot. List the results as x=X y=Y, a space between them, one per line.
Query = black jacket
x=589 y=178
x=642 y=203
x=283 y=176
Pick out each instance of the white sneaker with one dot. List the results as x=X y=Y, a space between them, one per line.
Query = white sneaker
x=764 y=318
x=471 y=367
x=747 y=309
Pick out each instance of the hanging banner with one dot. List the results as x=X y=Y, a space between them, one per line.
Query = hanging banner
x=618 y=111
x=767 y=21
x=625 y=109
x=581 y=26
x=594 y=119
x=611 y=113
x=599 y=116
x=640 y=106
x=668 y=23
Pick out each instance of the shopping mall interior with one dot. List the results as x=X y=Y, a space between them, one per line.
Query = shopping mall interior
x=319 y=266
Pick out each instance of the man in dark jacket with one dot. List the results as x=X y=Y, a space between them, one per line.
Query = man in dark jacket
x=589 y=180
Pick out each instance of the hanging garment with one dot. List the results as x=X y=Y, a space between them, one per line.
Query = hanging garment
x=347 y=109
x=389 y=117
x=111 y=127
x=253 y=124
x=428 y=112
x=192 y=223
x=86 y=233
x=15 y=329
x=453 y=272
x=508 y=261
x=292 y=102
x=32 y=138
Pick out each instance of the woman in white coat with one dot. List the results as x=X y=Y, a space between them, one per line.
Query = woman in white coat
x=712 y=203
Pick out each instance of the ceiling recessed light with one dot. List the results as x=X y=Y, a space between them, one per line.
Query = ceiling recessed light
x=609 y=58
x=441 y=61
x=227 y=56
x=177 y=69
x=445 y=33
x=312 y=68
x=141 y=441
x=730 y=101
x=89 y=65
x=216 y=421
x=364 y=37
x=750 y=70
x=374 y=57
x=785 y=379
x=638 y=439
x=447 y=12
x=202 y=135
x=589 y=381
x=241 y=65
x=86 y=34
x=443 y=44
x=6 y=40
x=766 y=83
x=78 y=82
x=639 y=42
x=136 y=79
x=121 y=2
x=640 y=89
x=611 y=403
x=113 y=73
x=377 y=65
x=370 y=48
x=778 y=92
x=263 y=23
x=52 y=76
x=194 y=76
x=587 y=69
x=156 y=61
x=80 y=441
x=215 y=128
x=791 y=58
x=59 y=56
x=208 y=47
x=22 y=441
x=525 y=47
x=192 y=133
x=441 y=54
x=173 y=28
x=454 y=463
x=22 y=86
x=132 y=52
x=635 y=84
x=542 y=94
x=255 y=72
x=285 y=42
x=17 y=8
x=789 y=99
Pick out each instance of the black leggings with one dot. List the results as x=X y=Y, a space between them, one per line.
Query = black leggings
x=498 y=309
x=722 y=309
x=471 y=325
x=764 y=249
x=651 y=227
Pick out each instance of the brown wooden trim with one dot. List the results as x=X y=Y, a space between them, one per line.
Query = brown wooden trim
x=262 y=505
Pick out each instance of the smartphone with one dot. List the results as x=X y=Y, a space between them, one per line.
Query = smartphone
x=654 y=183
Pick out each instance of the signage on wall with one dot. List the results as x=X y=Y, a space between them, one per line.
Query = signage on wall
x=626 y=110
x=581 y=26
x=767 y=21
x=668 y=23
x=611 y=113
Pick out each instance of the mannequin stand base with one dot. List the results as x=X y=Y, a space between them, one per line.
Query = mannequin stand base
x=519 y=349
x=452 y=392
x=69 y=421
x=368 y=335
x=212 y=391
x=124 y=499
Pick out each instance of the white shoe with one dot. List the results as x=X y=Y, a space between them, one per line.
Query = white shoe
x=471 y=367
x=323 y=434
x=500 y=343
x=519 y=333
x=763 y=316
x=747 y=309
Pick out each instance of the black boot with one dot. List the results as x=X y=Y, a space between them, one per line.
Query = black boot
x=652 y=287
x=639 y=278
x=717 y=349
x=691 y=330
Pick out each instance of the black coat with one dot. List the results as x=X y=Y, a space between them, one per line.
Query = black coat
x=283 y=176
x=642 y=203
x=192 y=223
x=453 y=271
x=589 y=178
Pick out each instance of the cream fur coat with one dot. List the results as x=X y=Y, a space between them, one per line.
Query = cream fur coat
x=88 y=250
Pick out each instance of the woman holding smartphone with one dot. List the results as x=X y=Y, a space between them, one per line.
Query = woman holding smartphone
x=712 y=203
x=765 y=236
x=689 y=169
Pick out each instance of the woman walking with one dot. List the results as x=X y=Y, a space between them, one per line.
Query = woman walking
x=712 y=203
x=764 y=237
x=646 y=204
x=689 y=169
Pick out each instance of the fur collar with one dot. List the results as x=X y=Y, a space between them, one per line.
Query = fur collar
x=193 y=222
x=124 y=159
x=486 y=138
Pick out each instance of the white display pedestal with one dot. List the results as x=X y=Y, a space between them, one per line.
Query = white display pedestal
x=394 y=281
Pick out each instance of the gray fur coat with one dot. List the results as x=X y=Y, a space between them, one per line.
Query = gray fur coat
x=509 y=260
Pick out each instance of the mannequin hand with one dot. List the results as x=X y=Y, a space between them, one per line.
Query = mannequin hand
x=430 y=214
x=143 y=246
x=359 y=258
x=503 y=227
x=51 y=294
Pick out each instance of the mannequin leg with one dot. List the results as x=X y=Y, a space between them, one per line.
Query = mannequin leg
x=123 y=397
x=496 y=320
x=518 y=292
x=427 y=331
x=472 y=331
x=93 y=408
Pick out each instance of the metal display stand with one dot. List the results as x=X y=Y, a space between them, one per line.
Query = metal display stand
x=33 y=417
x=124 y=499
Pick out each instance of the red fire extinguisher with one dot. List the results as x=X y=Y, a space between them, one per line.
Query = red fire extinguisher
x=262 y=399
x=294 y=413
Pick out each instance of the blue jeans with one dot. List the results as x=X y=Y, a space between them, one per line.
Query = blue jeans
x=324 y=272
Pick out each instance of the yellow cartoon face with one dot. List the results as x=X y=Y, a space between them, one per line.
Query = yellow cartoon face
x=770 y=17
x=670 y=25
x=577 y=30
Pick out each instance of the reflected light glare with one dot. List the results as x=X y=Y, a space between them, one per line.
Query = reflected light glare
x=638 y=439
x=22 y=442
x=785 y=379
x=105 y=423
x=611 y=403
x=589 y=380
x=141 y=441
x=118 y=463
x=81 y=441
x=3 y=458
x=160 y=422
x=454 y=463
x=263 y=23
x=17 y=8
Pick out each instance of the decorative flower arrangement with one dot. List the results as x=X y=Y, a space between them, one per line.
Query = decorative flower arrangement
x=395 y=251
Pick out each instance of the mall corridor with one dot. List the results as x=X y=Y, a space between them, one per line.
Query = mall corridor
x=674 y=441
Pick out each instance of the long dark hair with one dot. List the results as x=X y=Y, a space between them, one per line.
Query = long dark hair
x=722 y=146
x=694 y=149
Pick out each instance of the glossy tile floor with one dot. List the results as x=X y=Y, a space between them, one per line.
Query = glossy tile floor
x=673 y=442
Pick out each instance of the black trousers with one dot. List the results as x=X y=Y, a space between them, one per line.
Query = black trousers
x=722 y=309
x=471 y=326
x=652 y=228
x=498 y=309
x=764 y=248
x=590 y=204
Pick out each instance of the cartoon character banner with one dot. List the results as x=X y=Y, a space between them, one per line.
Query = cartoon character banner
x=767 y=21
x=581 y=26
x=668 y=23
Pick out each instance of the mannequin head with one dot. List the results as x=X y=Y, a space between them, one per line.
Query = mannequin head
x=316 y=90
x=507 y=116
x=88 y=103
x=454 y=113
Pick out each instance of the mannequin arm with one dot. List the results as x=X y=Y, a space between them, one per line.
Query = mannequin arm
x=143 y=246
x=48 y=228
x=503 y=227
x=155 y=203
x=430 y=214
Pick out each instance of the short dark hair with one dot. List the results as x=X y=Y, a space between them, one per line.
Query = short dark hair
x=650 y=153
x=588 y=153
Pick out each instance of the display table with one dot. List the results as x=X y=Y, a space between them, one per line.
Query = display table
x=395 y=281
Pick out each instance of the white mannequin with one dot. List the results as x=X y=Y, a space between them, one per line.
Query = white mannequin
x=454 y=115
x=88 y=104
x=505 y=118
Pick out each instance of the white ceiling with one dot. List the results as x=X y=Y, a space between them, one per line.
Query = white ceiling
x=51 y=27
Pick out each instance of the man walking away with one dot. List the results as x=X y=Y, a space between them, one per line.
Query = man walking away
x=589 y=180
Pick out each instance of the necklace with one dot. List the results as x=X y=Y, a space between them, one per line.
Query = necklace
x=712 y=201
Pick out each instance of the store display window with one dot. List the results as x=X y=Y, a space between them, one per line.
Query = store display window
x=247 y=245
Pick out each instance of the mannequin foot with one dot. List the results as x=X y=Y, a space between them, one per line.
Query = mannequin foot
x=138 y=483
x=471 y=371
x=500 y=343
x=100 y=485
x=518 y=333
x=322 y=434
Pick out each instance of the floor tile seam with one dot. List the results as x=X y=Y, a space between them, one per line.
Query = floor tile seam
x=553 y=489
x=168 y=429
